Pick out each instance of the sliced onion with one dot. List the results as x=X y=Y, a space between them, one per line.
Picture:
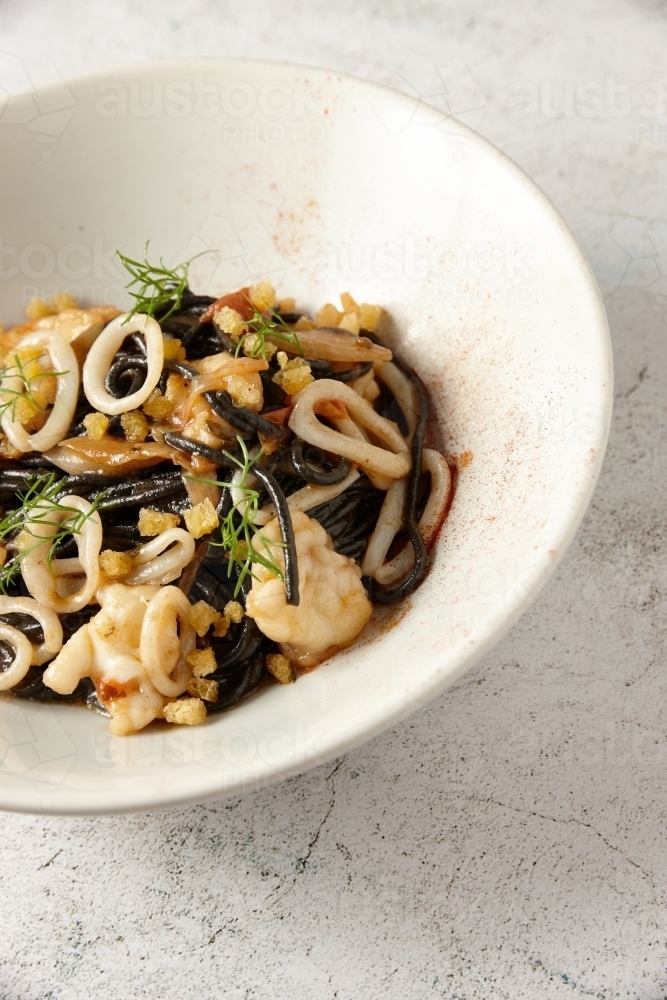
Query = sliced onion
x=330 y=345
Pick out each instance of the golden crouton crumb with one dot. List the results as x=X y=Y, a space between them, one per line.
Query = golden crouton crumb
x=22 y=408
x=154 y=522
x=234 y=611
x=328 y=315
x=157 y=405
x=201 y=519
x=369 y=316
x=221 y=627
x=115 y=564
x=7 y=449
x=304 y=323
x=262 y=295
x=185 y=712
x=348 y=303
x=96 y=424
x=280 y=667
x=200 y=688
x=287 y=305
x=201 y=616
x=293 y=375
x=250 y=342
x=38 y=309
x=63 y=300
x=230 y=322
x=134 y=424
x=202 y=662
x=173 y=349
x=3 y=554
x=244 y=392
x=349 y=322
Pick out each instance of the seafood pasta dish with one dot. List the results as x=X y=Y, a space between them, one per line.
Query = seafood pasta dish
x=203 y=495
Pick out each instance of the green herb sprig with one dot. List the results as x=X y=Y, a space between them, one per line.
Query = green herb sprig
x=157 y=285
x=9 y=398
x=38 y=504
x=239 y=535
x=260 y=327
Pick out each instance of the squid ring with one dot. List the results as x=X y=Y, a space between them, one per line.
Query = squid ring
x=51 y=627
x=403 y=389
x=303 y=421
x=40 y=578
x=64 y=361
x=18 y=668
x=102 y=354
x=162 y=559
x=167 y=638
x=390 y=522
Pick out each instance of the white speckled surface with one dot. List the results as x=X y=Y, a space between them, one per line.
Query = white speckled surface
x=509 y=840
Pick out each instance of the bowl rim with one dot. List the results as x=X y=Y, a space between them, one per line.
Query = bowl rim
x=537 y=574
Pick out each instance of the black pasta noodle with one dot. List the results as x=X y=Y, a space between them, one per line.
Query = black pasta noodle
x=278 y=464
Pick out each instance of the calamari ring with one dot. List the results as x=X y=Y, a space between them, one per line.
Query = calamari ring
x=102 y=354
x=162 y=559
x=167 y=637
x=63 y=359
x=303 y=421
x=41 y=579
x=48 y=619
x=404 y=392
x=390 y=522
x=18 y=668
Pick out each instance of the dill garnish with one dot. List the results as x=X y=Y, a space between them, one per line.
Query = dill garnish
x=38 y=504
x=157 y=284
x=239 y=535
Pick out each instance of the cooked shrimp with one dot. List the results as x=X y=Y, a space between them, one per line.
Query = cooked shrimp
x=111 y=650
x=333 y=609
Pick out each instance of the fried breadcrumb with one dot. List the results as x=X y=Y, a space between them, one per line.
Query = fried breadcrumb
x=281 y=668
x=185 y=712
x=200 y=688
x=134 y=424
x=115 y=564
x=154 y=522
x=96 y=424
x=201 y=519
x=202 y=662
x=202 y=616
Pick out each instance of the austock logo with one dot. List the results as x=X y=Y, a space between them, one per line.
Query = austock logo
x=227 y=251
x=274 y=113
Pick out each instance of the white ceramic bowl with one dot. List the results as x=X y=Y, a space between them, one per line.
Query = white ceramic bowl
x=325 y=184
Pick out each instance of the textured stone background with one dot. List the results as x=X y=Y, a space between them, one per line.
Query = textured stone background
x=509 y=840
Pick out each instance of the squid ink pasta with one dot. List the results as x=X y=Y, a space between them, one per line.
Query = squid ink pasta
x=203 y=495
